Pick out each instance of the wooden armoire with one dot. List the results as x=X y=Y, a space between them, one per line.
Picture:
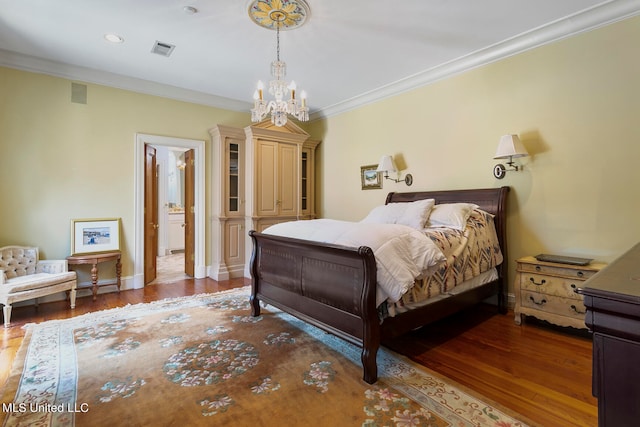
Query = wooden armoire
x=261 y=175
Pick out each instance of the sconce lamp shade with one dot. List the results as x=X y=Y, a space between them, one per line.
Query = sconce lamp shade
x=386 y=165
x=509 y=147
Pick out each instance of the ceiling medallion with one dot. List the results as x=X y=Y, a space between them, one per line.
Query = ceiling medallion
x=279 y=14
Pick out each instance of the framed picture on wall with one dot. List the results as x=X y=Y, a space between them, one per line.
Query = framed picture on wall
x=90 y=236
x=370 y=178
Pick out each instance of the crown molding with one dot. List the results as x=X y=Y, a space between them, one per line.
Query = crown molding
x=595 y=17
x=89 y=75
x=590 y=19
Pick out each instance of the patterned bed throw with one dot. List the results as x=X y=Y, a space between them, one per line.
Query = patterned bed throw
x=468 y=254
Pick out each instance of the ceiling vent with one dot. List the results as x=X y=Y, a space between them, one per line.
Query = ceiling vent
x=161 y=48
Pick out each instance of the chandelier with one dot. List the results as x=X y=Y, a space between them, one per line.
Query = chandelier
x=279 y=14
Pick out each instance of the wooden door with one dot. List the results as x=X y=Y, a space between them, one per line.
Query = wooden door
x=150 y=214
x=189 y=213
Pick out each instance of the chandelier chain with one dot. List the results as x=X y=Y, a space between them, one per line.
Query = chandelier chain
x=278 y=42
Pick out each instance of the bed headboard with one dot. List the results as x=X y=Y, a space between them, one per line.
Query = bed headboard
x=492 y=200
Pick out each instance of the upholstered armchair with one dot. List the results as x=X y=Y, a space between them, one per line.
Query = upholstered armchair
x=24 y=276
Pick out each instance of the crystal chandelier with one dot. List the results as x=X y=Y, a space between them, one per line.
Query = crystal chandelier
x=275 y=14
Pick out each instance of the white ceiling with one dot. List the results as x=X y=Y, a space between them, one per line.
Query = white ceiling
x=350 y=52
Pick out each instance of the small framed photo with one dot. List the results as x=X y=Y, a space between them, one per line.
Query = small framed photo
x=90 y=236
x=370 y=178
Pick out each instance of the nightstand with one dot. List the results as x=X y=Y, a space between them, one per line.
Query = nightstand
x=547 y=291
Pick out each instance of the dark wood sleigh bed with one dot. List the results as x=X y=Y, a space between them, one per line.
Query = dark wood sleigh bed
x=334 y=287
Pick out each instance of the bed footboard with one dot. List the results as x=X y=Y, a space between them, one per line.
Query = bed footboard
x=330 y=286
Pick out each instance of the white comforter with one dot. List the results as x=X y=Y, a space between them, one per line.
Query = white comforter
x=402 y=253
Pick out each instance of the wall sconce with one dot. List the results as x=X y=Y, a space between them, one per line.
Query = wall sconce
x=509 y=147
x=386 y=165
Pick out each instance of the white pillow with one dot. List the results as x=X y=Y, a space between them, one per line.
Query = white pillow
x=412 y=214
x=452 y=215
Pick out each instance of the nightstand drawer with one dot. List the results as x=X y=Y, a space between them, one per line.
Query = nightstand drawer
x=581 y=274
x=550 y=285
x=553 y=304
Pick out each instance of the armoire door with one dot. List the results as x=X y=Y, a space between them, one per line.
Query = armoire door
x=266 y=179
x=287 y=179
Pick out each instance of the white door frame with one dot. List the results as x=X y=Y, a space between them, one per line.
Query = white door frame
x=198 y=147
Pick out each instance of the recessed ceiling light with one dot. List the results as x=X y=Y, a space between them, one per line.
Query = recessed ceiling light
x=113 y=38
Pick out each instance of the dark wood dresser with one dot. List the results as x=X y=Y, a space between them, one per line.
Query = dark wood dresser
x=612 y=300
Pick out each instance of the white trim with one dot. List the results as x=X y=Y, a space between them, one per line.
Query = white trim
x=139 y=158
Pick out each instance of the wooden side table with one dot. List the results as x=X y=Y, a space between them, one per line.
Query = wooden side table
x=94 y=260
x=548 y=291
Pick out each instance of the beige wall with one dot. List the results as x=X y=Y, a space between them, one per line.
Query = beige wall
x=575 y=105
x=61 y=160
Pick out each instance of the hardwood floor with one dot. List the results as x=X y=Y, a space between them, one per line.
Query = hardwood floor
x=538 y=371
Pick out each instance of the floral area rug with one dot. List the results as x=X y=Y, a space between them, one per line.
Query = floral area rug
x=203 y=360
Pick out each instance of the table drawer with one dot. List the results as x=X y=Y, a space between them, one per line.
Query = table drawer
x=553 y=304
x=581 y=274
x=550 y=285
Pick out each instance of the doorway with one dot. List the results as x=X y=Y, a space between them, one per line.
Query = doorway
x=144 y=253
x=169 y=195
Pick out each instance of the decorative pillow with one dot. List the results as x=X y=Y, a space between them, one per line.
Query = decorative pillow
x=452 y=215
x=412 y=214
